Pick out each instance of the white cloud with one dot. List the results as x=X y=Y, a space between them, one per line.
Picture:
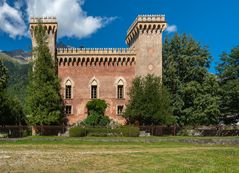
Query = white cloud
x=72 y=19
x=171 y=28
x=11 y=21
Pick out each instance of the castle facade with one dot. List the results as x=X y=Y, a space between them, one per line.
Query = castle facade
x=105 y=73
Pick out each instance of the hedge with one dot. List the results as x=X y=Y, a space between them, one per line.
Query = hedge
x=127 y=131
x=77 y=132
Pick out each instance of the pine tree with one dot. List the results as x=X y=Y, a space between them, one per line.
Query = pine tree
x=3 y=98
x=11 y=112
x=194 y=90
x=43 y=103
x=3 y=76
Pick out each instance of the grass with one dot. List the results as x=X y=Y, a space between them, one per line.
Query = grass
x=59 y=154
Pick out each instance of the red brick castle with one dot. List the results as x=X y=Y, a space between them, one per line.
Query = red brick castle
x=105 y=73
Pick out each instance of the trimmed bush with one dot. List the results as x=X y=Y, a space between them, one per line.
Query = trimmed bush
x=77 y=132
x=96 y=105
x=97 y=131
x=129 y=131
x=95 y=119
x=126 y=131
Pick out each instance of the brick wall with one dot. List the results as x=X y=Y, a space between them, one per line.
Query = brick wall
x=106 y=76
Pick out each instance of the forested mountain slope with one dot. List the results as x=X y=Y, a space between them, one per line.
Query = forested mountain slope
x=18 y=76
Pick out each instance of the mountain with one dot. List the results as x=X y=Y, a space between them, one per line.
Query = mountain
x=63 y=45
x=20 y=55
x=18 y=76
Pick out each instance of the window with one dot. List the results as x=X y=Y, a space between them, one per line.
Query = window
x=68 y=110
x=120 y=109
x=120 y=90
x=94 y=90
x=68 y=90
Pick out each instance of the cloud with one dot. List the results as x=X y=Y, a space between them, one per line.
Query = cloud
x=171 y=28
x=11 y=21
x=72 y=19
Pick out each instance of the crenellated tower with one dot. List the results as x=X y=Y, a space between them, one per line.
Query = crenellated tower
x=50 y=25
x=145 y=36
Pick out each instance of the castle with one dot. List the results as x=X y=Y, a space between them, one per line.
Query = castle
x=105 y=73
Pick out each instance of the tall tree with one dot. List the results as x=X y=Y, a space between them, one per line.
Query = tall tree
x=3 y=76
x=43 y=104
x=3 y=85
x=11 y=112
x=193 y=89
x=228 y=72
x=149 y=102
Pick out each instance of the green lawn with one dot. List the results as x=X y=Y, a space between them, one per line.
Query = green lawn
x=96 y=155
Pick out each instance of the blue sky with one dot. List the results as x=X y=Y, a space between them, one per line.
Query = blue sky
x=214 y=23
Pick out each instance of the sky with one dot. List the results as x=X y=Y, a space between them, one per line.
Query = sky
x=104 y=23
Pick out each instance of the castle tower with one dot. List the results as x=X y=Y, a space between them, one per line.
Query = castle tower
x=51 y=28
x=145 y=36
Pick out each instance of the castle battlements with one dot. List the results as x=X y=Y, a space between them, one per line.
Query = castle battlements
x=43 y=19
x=146 y=18
x=150 y=24
x=95 y=51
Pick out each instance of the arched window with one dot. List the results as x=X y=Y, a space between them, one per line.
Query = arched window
x=94 y=89
x=68 y=89
x=120 y=89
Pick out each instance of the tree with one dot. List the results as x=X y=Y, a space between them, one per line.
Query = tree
x=3 y=76
x=185 y=73
x=228 y=72
x=11 y=112
x=96 y=113
x=3 y=85
x=43 y=103
x=149 y=102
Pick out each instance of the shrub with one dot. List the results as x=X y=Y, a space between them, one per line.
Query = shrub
x=98 y=132
x=26 y=133
x=96 y=119
x=92 y=120
x=96 y=105
x=127 y=131
x=104 y=121
x=77 y=132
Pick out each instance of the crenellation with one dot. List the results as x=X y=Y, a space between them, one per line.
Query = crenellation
x=94 y=51
x=43 y=19
x=146 y=18
x=145 y=24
